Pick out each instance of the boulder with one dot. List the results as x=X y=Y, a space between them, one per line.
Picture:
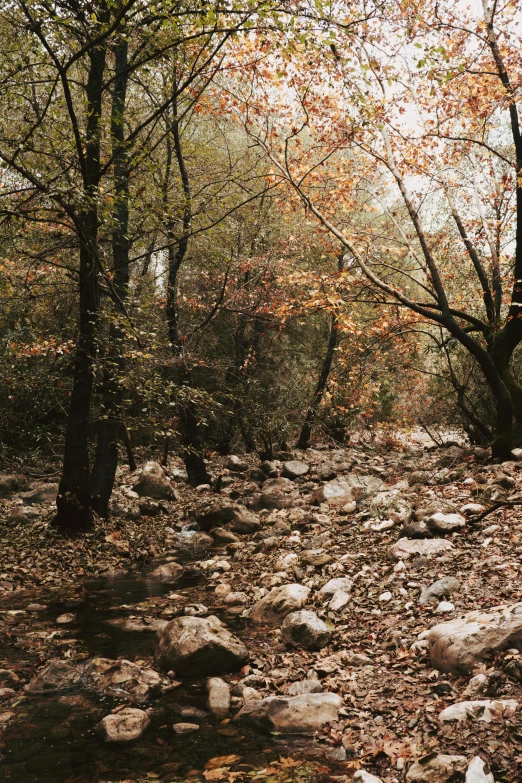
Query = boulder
x=43 y=493
x=153 y=483
x=439 y=589
x=478 y=772
x=125 y=726
x=168 y=572
x=279 y=603
x=483 y=710
x=222 y=512
x=303 y=714
x=346 y=489
x=295 y=468
x=244 y=521
x=333 y=585
x=437 y=769
x=306 y=630
x=56 y=677
x=237 y=465
x=8 y=485
x=459 y=645
x=410 y=547
x=24 y=514
x=198 y=646
x=445 y=523
x=218 y=697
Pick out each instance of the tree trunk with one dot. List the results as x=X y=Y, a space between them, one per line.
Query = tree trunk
x=73 y=501
x=306 y=431
x=110 y=422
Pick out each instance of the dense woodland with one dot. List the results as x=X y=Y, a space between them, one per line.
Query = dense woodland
x=278 y=229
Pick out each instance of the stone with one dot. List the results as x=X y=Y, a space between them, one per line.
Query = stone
x=222 y=536
x=236 y=599
x=250 y=694
x=338 y=492
x=303 y=714
x=9 y=678
x=386 y=596
x=445 y=606
x=194 y=646
x=65 y=619
x=8 y=485
x=339 y=601
x=476 y=685
x=439 y=589
x=24 y=514
x=168 y=572
x=304 y=629
x=269 y=468
x=333 y=585
x=237 y=465
x=56 y=677
x=279 y=603
x=153 y=483
x=312 y=684
x=416 y=529
x=445 y=523
x=458 y=645
x=185 y=728
x=469 y=509
x=222 y=512
x=478 y=771
x=244 y=521
x=439 y=506
x=438 y=769
x=179 y=475
x=295 y=468
x=409 y=547
x=125 y=726
x=43 y=493
x=218 y=697
x=137 y=624
x=483 y=710
x=361 y=776
x=222 y=590
x=516 y=454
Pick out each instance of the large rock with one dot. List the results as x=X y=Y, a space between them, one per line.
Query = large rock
x=218 y=697
x=459 y=645
x=295 y=468
x=439 y=589
x=304 y=714
x=306 y=630
x=43 y=493
x=279 y=602
x=445 y=523
x=483 y=710
x=153 y=483
x=104 y=675
x=438 y=769
x=198 y=646
x=236 y=464
x=345 y=489
x=333 y=585
x=277 y=493
x=411 y=547
x=124 y=726
x=478 y=772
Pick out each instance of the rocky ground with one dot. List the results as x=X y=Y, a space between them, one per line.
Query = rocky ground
x=275 y=626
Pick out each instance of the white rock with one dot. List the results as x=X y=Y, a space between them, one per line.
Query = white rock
x=333 y=585
x=304 y=714
x=125 y=726
x=279 y=602
x=445 y=523
x=218 y=697
x=222 y=590
x=387 y=596
x=484 y=710
x=472 y=508
x=445 y=606
x=411 y=547
x=477 y=771
x=476 y=685
x=386 y=524
x=516 y=454
x=439 y=769
x=339 y=600
x=361 y=776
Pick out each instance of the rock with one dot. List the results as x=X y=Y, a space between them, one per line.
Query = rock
x=361 y=776
x=386 y=596
x=476 y=685
x=257 y=475
x=150 y=508
x=125 y=726
x=484 y=710
x=185 y=728
x=9 y=678
x=316 y=557
x=65 y=619
x=338 y=492
x=279 y=484
x=195 y=610
x=438 y=769
x=218 y=697
x=222 y=590
x=244 y=521
x=237 y=465
x=439 y=589
x=478 y=771
x=222 y=536
x=279 y=602
x=153 y=483
x=445 y=606
x=339 y=600
x=295 y=468
x=438 y=506
x=24 y=514
x=445 y=523
x=7 y=693
x=304 y=714
x=43 y=493
x=306 y=630
x=125 y=678
x=198 y=646
x=333 y=585
x=407 y=547
x=287 y=562
x=168 y=572
x=469 y=509
x=236 y=599
x=137 y=624
x=459 y=645
x=250 y=694
x=8 y=485
x=516 y=454
x=269 y=468
x=179 y=475
x=312 y=684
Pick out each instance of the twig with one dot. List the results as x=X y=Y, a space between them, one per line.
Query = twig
x=494 y=507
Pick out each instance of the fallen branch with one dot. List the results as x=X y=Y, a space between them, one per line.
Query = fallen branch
x=494 y=507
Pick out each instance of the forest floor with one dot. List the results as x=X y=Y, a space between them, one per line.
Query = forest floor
x=75 y=599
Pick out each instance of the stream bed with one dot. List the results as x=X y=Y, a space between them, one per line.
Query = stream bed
x=52 y=738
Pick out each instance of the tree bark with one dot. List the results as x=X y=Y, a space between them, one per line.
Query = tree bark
x=110 y=421
x=73 y=501
x=303 y=441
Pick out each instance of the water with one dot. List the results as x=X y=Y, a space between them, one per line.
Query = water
x=52 y=738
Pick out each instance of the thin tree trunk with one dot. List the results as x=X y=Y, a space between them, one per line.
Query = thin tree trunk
x=110 y=422
x=306 y=431
x=73 y=501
